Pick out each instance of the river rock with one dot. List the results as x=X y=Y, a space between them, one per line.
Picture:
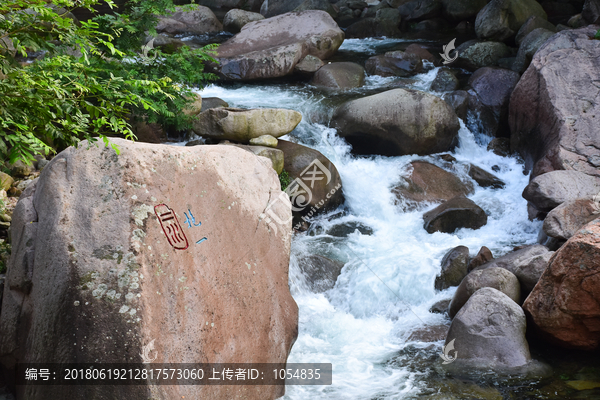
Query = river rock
x=397 y=122
x=272 y=47
x=460 y=10
x=394 y=63
x=489 y=333
x=529 y=47
x=552 y=126
x=319 y=187
x=271 y=8
x=241 y=125
x=500 y=146
x=226 y=5
x=564 y=307
x=454 y=268
x=320 y=272
x=123 y=265
x=454 y=214
x=532 y=24
x=6 y=181
x=429 y=183
x=441 y=307
x=444 y=81
x=275 y=156
x=498 y=278
x=484 y=178
x=501 y=19
x=459 y=101
x=551 y=189
x=19 y=169
x=565 y=220
x=429 y=334
x=340 y=75
x=420 y=9
x=422 y=53
x=348 y=228
x=308 y=65
x=213 y=102
x=483 y=256
x=489 y=99
x=236 y=19
x=199 y=20
x=474 y=54
x=323 y=5
x=264 y=140
x=591 y=11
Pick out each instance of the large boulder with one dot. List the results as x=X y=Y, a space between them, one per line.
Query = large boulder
x=115 y=252
x=454 y=214
x=484 y=178
x=340 y=75
x=394 y=63
x=532 y=24
x=397 y=122
x=454 y=268
x=236 y=19
x=552 y=126
x=320 y=273
x=565 y=220
x=564 y=307
x=271 y=8
x=530 y=45
x=489 y=98
x=241 y=125
x=551 y=189
x=199 y=20
x=428 y=183
x=316 y=184
x=591 y=12
x=474 y=54
x=445 y=81
x=272 y=47
x=501 y=19
x=460 y=10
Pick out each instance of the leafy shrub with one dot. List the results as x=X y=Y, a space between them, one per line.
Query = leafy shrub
x=284 y=179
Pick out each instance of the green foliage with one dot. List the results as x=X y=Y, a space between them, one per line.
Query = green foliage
x=91 y=82
x=597 y=35
x=284 y=179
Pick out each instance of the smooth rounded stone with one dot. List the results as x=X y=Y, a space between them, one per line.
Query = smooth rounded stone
x=501 y=19
x=444 y=81
x=551 y=126
x=200 y=20
x=348 y=228
x=484 y=178
x=494 y=277
x=459 y=101
x=564 y=307
x=419 y=51
x=394 y=63
x=454 y=268
x=568 y=218
x=42 y=164
x=195 y=106
x=591 y=12
x=429 y=334
x=308 y=65
x=428 y=183
x=213 y=102
x=529 y=47
x=441 y=307
x=483 y=256
x=420 y=9
x=19 y=169
x=236 y=19
x=551 y=189
x=6 y=181
x=530 y=25
x=500 y=146
x=340 y=75
x=397 y=122
x=264 y=140
x=577 y=21
x=454 y=214
x=489 y=334
x=489 y=99
x=320 y=189
x=474 y=54
x=320 y=273
x=103 y=277
x=272 y=47
x=527 y=264
x=275 y=156
x=241 y=125
x=460 y=10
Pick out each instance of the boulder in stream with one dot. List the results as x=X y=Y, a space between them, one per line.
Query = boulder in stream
x=456 y=213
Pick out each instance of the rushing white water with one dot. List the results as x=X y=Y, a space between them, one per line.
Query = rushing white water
x=387 y=284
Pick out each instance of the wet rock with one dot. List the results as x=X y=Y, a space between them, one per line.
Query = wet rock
x=429 y=183
x=103 y=280
x=551 y=189
x=346 y=229
x=429 y=334
x=529 y=47
x=448 y=158
x=422 y=53
x=474 y=54
x=565 y=220
x=564 y=307
x=454 y=268
x=235 y=19
x=460 y=10
x=272 y=47
x=397 y=122
x=498 y=278
x=213 y=102
x=591 y=12
x=501 y=19
x=483 y=256
x=444 y=81
x=241 y=125
x=320 y=272
x=484 y=178
x=394 y=63
x=441 y=307
x=340 y=75
x=323 y=5
x=551 y=126
x=420 y=9
x=308 y=65
x=454 y=214
x=459 y=101
x=264 y=140
x=6 y=181
x=272 y=8
x=500 y=146
x=199 y=20
x=532 y=24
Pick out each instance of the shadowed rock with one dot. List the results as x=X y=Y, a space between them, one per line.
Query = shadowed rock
x=454 y=214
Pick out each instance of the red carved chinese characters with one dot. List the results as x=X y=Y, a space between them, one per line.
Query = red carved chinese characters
x=171 y=227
